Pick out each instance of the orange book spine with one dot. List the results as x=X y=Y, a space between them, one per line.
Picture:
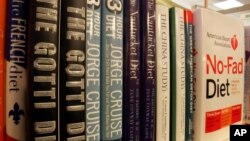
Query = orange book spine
x=2 y=68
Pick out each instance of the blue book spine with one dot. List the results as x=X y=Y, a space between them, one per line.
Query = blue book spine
x=131 y=78
x=148 y=71
x=93 y=54
x=72 y=70
x=112 y=70
x=16 y=69
x=43 y=70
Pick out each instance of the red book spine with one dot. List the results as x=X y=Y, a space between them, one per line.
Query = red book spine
x=2 y=39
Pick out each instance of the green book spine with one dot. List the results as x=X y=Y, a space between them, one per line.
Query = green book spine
x=177 y=75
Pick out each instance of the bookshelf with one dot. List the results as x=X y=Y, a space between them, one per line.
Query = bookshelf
x=138 y=60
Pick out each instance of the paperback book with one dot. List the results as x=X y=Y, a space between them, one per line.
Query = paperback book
x=163 y=71
x=112 y=70
x=131 y=69
x=43 y=71
x=148 y=72
x=93 y=62
x=72 y=70
x=218 y=74
x=189 y=46
x=3 y=9
x=178 y=75
x=16 y=70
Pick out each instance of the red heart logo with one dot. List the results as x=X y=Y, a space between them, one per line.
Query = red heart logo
x=234 y=42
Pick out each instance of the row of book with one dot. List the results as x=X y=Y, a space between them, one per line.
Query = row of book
x=111 y=70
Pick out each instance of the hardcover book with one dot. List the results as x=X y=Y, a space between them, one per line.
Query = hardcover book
x=163 y=71
x=189 y=46
x=72 y=70
x=112 y=70
x=131 y=78
x=247 y=76
x=43 y=70
x=148 y=71
x=177 y=75
x=218 y=74
x=93 y=45
x=3 y=7
x=16 y=69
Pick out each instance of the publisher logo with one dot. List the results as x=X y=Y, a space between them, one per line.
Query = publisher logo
x=234 y=42
x=16 y=112
x=239 y=132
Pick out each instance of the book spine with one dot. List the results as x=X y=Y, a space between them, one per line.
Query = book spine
x=16 y=69
x=189 y=46
x=93 y=54
x=163 y=73
x=72 y=70
x=198 y=69
x=131 y=79
x=3 y=8
x=177 y=71
x=247 y=76
x=43 y=70
x=112 y=73
x=148 y=71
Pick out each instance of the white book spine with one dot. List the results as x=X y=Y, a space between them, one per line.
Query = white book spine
x=180 y=76
x=163 y=73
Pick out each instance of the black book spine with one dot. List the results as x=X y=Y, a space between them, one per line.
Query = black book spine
x=72 y=69
x=43 y=43
x=148 y=71
x=131 y=78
